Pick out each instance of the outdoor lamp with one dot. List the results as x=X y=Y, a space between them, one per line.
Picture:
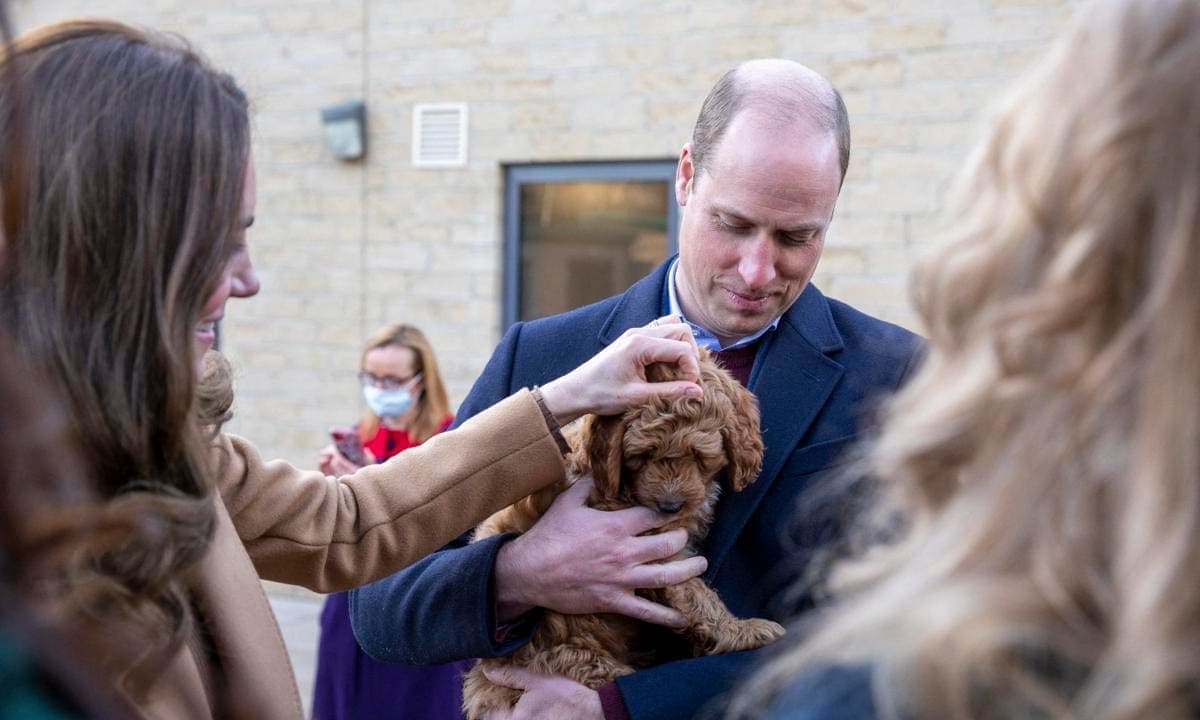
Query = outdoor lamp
x=346 y=129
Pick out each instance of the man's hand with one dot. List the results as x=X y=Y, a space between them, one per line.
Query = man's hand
x=545 y=696
x=578 y=560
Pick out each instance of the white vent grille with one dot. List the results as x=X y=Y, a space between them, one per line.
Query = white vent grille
x=439 y=135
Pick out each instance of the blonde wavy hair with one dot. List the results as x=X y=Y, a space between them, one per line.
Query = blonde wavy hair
x=1037 y=519
x=433 y=403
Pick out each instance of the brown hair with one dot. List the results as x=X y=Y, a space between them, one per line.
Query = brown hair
x=784 y=98
x=133 y=169
x=433 y=406
x=1045 y=460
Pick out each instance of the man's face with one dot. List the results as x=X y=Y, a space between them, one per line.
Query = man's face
x=753 y=224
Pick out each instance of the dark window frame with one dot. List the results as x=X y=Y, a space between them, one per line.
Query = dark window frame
x=515 y=176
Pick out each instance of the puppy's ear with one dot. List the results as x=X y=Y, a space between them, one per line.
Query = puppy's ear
x=600 y=440
x=742 y=434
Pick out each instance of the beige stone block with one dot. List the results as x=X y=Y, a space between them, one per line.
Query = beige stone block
x=835 y=9
x=1028 y=3
x=951 y=64
x=811 y=43
x=436 y=284
x=398 y=253
x=578 y=54
x=519 y=30
x=891 y=166
x=893 y=260
x=859 y=103
x=717 y=14
x=397 y=12
x=872 y=134
x=480 y=8
x=1002 y=27
x=465 y=260
x=864 y=292
x=545 y=7
x=503 y=59
x=596 y=113
x=907 y=35
x=926 y=229
x=731 y=48
x=663 y=113
x=485 y=288
x=436 y=61
x=590 y=83
x=860 y=168
x=772 y=13
x=512 y=89
x=942 y=101
x=867 y=72
x=642 y=53
x=1013 y=61
x=475 y=237
x=938 y=8
x=836 y=260
x=559 y=145
x=540 y=116
x=858 y=225
x=954 y=135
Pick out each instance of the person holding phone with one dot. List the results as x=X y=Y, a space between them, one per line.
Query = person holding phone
x=406 y=405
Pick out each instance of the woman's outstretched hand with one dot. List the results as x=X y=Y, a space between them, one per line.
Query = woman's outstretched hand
x=615 y=378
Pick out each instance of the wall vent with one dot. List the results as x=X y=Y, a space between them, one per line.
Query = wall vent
x=439 y=135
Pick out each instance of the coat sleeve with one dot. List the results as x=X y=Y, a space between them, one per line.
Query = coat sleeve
x=682 y=689
x=441 y=608
x=327 y=534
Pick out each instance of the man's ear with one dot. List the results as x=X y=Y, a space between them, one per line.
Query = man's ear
x=600 y=439
x=685 y=174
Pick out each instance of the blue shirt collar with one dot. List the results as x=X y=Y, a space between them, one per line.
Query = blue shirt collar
x=704 y=338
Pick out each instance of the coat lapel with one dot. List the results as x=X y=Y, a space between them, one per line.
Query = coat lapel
x=793 y=378
x=638 y=305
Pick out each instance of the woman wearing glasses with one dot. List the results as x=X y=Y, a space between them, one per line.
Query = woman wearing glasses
x=406 y=405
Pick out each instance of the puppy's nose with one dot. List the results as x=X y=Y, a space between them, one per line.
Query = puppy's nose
x=670 y=506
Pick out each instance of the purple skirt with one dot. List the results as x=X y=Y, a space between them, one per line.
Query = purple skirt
x=350 y=685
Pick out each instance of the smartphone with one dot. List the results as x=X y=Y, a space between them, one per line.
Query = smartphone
x=349 y=444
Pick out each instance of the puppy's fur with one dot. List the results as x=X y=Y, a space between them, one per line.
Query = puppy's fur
x=664 y=454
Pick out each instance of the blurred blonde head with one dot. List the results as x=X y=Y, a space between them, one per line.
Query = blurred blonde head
x=1045 y=462
x=433 y=405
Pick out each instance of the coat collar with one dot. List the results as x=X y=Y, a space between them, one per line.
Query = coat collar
x=643 y=301
x=793 y=378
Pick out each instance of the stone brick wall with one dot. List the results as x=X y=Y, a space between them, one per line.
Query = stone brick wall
x=343 y=248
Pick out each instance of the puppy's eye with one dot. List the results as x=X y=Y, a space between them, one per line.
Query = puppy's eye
x=635 y=462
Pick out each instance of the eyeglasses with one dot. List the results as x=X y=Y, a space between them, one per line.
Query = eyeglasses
x=387 y=382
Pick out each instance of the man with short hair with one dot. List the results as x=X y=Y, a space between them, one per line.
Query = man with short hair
x=757 y=187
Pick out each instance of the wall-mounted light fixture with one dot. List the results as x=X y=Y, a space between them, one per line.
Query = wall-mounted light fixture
x=346 y=129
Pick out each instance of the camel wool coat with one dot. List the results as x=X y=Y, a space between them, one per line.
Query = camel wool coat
x=301 y=527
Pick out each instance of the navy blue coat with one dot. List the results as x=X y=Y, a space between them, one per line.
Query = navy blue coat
x=817 y=376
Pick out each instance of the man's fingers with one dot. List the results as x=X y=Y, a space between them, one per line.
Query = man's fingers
x=649 y=548
x=642 y=609
x=577 y=493
x=661 y=575
x=509 y=676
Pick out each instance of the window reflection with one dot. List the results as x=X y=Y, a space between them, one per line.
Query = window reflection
x=584 y=241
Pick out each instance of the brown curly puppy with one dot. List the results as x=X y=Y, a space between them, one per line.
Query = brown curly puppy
x=666 y=455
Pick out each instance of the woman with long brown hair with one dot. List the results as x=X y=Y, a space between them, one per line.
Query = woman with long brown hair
x=1034 y=547
x=125 y=236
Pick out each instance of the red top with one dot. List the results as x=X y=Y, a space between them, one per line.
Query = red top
x=388 y=442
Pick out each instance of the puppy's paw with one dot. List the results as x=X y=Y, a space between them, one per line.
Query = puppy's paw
x=747 y=634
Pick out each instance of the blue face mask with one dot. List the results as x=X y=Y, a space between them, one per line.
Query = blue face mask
x=387 y=403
